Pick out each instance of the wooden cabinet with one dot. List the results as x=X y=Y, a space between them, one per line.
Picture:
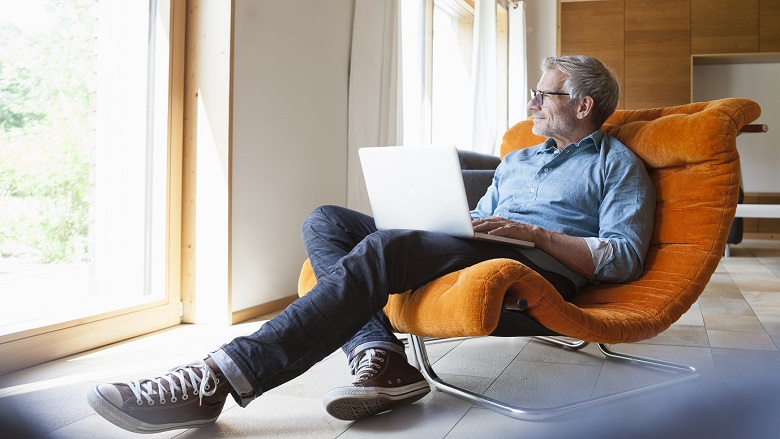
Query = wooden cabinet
x=724 y=26
x=769 y=26
x=646 y=42
x=578 y=22
x=657 y=53
x=735 y=26
x=652 y=56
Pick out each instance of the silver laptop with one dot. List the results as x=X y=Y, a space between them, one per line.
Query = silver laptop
x=420 y=188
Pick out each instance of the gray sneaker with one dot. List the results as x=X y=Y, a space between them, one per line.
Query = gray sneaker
x=385 y=380
x=188 y=396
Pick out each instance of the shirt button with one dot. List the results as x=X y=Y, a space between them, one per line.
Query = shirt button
x=546 y=169
x=533 y=189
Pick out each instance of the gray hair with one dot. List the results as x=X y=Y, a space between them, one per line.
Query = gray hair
x=586 y=76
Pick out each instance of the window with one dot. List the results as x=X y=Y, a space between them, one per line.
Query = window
x=451 y=103
x=86 y=173
x=467 y=75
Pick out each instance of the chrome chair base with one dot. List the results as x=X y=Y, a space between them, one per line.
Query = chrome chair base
x=681 y=373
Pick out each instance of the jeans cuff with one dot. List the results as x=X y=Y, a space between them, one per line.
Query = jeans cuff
x=244 y=393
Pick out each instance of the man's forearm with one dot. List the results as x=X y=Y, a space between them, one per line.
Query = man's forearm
x=571 y=251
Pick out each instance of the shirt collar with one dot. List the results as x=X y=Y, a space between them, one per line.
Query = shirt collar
x=595 y=138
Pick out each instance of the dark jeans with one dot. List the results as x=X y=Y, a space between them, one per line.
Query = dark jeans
x=356 y=267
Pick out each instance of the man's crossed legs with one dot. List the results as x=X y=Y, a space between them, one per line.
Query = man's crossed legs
x=356 y=268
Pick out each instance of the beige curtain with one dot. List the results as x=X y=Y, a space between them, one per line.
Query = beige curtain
x=374 y=88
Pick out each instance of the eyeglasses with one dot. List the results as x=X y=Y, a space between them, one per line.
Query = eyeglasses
x=539 y=95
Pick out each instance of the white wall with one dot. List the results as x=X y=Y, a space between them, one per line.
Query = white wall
x=759 y=153
x=290 y=76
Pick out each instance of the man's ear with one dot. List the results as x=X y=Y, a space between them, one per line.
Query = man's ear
x=585 y=107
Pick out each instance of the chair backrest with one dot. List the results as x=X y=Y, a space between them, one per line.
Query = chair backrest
x=691 y=155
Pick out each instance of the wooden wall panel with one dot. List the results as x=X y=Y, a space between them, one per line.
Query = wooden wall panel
x=658 y=53
x=596 y=29
x=724 y=26
x=769 y=26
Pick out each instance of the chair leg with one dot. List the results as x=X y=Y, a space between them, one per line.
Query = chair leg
x=574 y=345
x=682 y=373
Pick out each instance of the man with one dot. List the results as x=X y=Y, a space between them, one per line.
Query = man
x=582 y=197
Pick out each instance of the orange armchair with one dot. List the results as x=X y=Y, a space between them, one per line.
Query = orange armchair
x=690 y=152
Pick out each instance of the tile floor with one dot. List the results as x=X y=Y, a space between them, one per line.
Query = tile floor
x=732 y=335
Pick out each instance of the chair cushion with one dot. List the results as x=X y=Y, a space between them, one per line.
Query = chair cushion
x=690 y=152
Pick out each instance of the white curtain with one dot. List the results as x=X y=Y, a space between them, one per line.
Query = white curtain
x=374 y=88
x=518 y=64
x=484 y=78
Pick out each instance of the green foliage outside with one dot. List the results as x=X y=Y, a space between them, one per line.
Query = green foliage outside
x=47 y=134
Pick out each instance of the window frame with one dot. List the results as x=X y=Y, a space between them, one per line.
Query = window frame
x=28 y=347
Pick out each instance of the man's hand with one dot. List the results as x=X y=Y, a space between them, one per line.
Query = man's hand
x=572 y=251
x=498 y=226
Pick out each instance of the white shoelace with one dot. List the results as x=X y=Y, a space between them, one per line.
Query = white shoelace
x=186 y=376
x=367 y=364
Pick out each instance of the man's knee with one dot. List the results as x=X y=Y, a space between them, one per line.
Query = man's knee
x=320 y=214
x=394 y=240
x=325 y=211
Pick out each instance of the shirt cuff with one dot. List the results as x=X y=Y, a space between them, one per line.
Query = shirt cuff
x=601 y=251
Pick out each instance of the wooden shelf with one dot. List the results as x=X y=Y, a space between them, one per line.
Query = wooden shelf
x=736 y=58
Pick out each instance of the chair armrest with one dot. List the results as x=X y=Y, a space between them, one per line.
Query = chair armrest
x=478 y=170
x=476 y=182
x=477 y=160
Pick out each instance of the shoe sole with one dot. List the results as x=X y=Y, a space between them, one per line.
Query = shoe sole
x=351 y=403
x=119 y=418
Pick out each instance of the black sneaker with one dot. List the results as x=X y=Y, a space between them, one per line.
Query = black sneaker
x=188 y=396
x=385 y=380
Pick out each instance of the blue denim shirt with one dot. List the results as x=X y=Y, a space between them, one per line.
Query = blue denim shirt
x=597 y=189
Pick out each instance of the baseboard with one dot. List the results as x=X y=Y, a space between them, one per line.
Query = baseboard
x=266 y=309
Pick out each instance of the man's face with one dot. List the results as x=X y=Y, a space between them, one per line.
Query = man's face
x=556 y=117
